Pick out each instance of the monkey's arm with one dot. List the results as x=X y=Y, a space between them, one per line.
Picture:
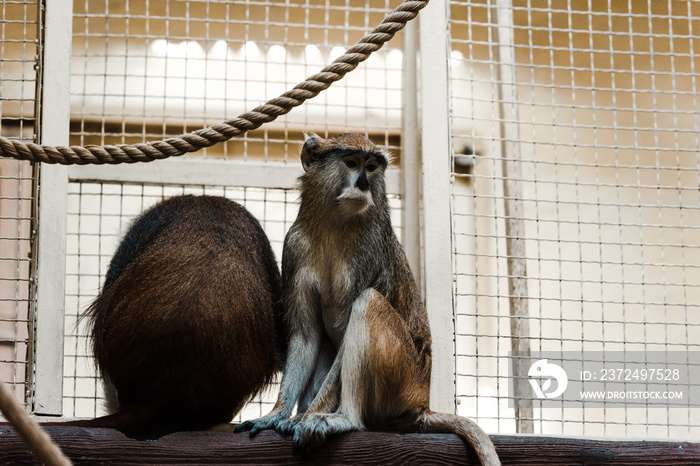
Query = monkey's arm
x=322 y=392
x=303 y=353
x=328 y=396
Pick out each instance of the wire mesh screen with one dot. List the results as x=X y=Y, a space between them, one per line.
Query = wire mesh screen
x=18 y=82
x=146 y=70
x=98 y=216
x=575 y=200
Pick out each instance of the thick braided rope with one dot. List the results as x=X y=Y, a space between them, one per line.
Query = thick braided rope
x=36 y=439
x=206 y=137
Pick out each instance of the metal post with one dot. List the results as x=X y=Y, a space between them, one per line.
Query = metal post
x=437 y=220
x=515 y=227
x=410 y=156
x=52 y=196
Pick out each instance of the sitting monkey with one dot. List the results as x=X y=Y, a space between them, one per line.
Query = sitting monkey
x=187 y=328
x=359 y=338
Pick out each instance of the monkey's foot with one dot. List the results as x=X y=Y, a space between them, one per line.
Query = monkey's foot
x=288 y=426
x=271 y=421
x=314 y=429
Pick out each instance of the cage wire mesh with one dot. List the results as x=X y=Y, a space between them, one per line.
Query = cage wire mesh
x=146 y=70
x=575 y=170
x=98 y=215
x=591 y=108
x=18 y=82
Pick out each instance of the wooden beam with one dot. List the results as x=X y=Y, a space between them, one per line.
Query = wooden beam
x=90 y=445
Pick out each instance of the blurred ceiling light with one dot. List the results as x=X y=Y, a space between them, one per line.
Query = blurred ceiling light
x=337 y=51
x=193 y=49
x=394 y=58
x=313 y=54
x=183 y=49
x=159 y=47
x=252 y=51
x=277 y=54
x=219 y=50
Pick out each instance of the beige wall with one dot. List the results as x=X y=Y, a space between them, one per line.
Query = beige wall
x=607 y=122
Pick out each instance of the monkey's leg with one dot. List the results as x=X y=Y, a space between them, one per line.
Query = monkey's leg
x=326 y=356
x=303 y=354
x=377 y=377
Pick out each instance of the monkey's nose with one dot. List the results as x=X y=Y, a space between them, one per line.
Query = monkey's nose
x=362 y=182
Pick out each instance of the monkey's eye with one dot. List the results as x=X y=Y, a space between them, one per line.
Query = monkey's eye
x=350 y=163
x=370 y=167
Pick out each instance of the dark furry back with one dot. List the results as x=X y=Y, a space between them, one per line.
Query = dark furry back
x=188 y=325
x=144 y=228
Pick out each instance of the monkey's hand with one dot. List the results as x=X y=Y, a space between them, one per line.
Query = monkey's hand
x=309 y=435
x=271 y=421
x=315 y=428
x=288 y=426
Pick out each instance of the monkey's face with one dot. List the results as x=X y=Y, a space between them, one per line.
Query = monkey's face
x=359 y=168
x=349 y=169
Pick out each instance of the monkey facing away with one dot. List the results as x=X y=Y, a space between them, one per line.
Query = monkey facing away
x=187 y=327
x=359 y=339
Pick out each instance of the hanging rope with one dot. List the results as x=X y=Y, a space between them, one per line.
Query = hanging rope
x=36 y=439
x=206 y=137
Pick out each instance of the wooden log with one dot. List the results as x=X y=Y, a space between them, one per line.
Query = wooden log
x=85 y=445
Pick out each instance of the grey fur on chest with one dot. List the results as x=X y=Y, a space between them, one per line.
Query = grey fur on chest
x=338 y=272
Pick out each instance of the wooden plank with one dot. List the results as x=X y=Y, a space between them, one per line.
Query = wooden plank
x=89 y=445
x=107 y=445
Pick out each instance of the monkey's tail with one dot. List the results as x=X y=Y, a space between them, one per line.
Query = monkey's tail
x=133 y=422
x=441 y=423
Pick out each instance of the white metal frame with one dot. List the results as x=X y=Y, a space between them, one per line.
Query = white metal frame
x=52 y=197
x=420 y=180
x=410 y=141
x=436 y=158
x=194 y=171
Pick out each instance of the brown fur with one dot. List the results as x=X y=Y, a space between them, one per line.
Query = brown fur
x=345 y=141
x=346 y=281
x=188 y=327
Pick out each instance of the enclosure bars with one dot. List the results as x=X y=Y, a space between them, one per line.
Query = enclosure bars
x=436 y=169
x=50 y=253
x=49 y=277
x=436 y=155
x=410 y=155
x=514 y=210
x=437 y=220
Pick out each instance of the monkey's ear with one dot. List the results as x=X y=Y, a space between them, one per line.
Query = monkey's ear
x=309 y=150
